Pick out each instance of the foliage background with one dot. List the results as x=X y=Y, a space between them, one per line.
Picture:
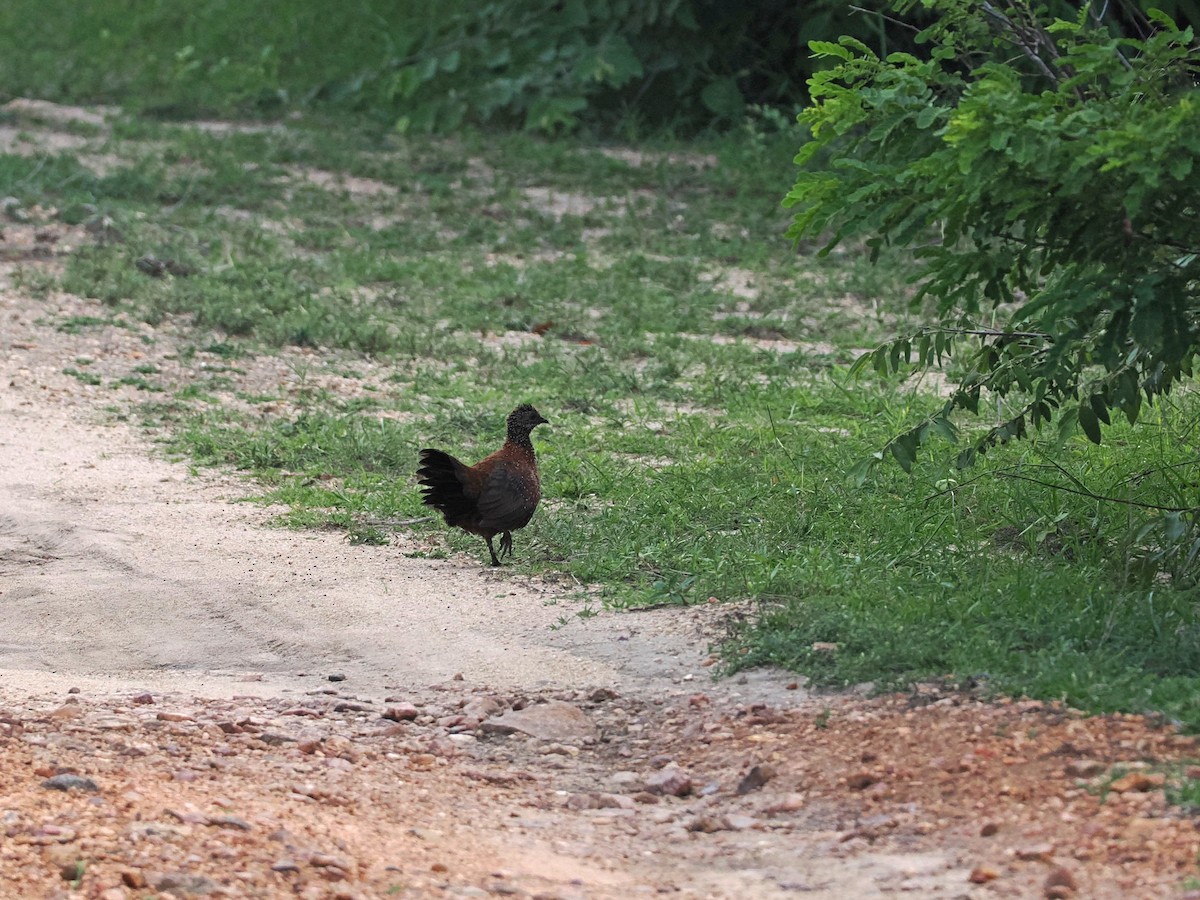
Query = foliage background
x=618 y=66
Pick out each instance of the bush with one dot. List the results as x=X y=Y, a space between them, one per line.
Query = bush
x=1044 y=174
x=547 y=65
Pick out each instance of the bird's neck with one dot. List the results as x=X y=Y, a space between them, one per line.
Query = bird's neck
x=520 y=440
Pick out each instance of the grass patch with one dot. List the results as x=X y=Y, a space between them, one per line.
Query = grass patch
x=693 y=366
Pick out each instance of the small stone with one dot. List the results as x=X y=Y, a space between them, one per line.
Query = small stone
x=328 y=861
x=1042 y=852
x=133 y=878
x=989 y=829
x=337 y=676
x=860 y=781
x=554 y=720
x=227 y=821
x=787 y=804
x=143 y=699
x=1138 y=782
x=480 y=708
x=755 y=779
x=1060 y=883
x=709 y=824
x=173 y=717
x=1084 y=768
x=70 y=782
x=401 y=712
x=182 y=883
x=669 y=781
x=285 y=865
x=740 y=823
x=982 y=875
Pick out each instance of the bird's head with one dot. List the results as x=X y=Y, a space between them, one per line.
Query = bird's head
x=522 y=420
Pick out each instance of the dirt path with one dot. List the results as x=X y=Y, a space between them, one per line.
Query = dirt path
x=263 y=713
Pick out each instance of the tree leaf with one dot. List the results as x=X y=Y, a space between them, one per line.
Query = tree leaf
x=1089 y=423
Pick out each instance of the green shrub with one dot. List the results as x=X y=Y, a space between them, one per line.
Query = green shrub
x=1043 y=172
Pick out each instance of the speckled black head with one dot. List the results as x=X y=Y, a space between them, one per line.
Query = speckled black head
x=523 y=420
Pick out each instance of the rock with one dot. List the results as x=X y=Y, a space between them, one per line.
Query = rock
x=669 y=781
x=554 y=720
x=337 y=676
x=67 y=859
x=401 y=712
x=328 y=861
x=860 y=781
x=709 y=824
x=755 y=779
x=1084 y=768
x=787 y=804
x=982 y=875
x=989 y=829
x=285 y=865
x=133 y=878
x=740 y=823
x=1059 y=883
x=70 y=782
x=481 y=708
x=1042 y=852
x=174 y=717
x=143 y=699
x=600 y=695
x=182 y=883
x=1138 y=782
x=227 y=821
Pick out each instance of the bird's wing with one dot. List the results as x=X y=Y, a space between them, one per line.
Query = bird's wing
x=508 y=498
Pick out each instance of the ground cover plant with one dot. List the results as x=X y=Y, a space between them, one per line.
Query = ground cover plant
x=350 y=295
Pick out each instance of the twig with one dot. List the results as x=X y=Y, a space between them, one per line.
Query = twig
x=874 y=12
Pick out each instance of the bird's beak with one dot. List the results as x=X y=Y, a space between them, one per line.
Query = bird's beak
x=542 y=421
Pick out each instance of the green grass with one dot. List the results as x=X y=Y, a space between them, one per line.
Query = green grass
x=692 y=364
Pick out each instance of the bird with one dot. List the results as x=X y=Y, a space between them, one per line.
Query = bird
x=497 y=495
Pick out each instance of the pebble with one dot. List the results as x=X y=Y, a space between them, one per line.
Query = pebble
x=70 y=782
x=401 y=712
x=554 y=720
x=1084 y=768
x=1060 y=883
x=669 y=781
x=1138 y=782
x=983 y=874
x=754 y=779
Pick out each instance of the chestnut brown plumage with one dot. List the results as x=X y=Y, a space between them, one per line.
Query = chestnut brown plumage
x=497 y=495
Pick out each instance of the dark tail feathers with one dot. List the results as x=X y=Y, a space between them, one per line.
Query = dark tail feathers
x=443 y=488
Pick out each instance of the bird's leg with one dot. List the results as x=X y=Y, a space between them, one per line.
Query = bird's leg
x=506 y=544
x=492 y=550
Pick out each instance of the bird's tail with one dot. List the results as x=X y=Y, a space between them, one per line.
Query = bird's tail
x=442 y=484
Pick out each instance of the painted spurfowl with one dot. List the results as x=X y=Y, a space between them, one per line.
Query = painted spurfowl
x=497 y=495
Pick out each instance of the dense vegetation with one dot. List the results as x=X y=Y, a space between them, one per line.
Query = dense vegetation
x=623 y=67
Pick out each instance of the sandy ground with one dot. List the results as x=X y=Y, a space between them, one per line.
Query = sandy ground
x=256 y=712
